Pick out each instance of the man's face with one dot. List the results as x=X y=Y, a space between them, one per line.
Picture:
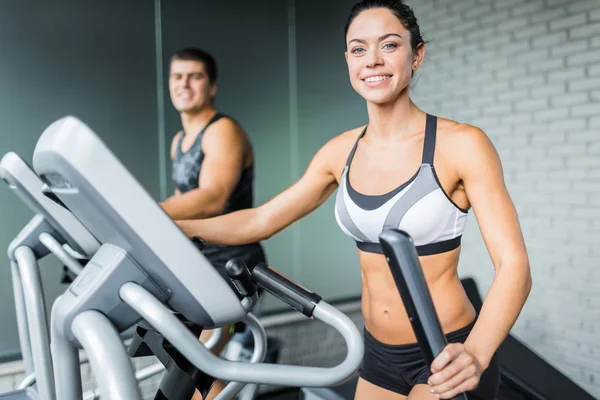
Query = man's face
x=189 y=86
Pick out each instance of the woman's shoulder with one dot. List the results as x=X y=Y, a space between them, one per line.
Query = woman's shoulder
x=457 y=134
x=334 y=153
x=346 y=139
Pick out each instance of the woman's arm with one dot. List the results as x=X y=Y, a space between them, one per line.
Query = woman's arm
x=480 y=171
x=255 y=224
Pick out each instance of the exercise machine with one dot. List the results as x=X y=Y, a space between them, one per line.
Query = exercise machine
x=147 y=270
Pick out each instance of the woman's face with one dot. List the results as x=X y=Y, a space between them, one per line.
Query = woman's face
x=379 y=56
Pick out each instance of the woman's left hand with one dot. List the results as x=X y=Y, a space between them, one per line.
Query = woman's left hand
x=454 y=371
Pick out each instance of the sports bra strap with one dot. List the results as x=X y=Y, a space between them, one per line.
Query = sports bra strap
x=429 y=141
x=351 y=156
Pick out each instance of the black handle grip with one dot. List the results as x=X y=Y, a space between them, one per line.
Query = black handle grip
x=285 y=289
x=403 y=260
x=240 y=276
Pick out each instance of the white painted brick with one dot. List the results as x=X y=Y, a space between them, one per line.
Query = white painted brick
x=568 y=22
x=585 y=110
x=588 y=57
x=584 y=84
x=549 y=14
x=582 y=136
x=567 y=150
x=593 y=70
x=549 y=211
x=566 y=74
x=513 y=71
x=496 y=41
x=548 y=89
x=594 y=148
x=531 y=105
x=585 y=30
x=568 y=174
x=550 y=138
x=550 y=114
x=551 y=64
x=595 y=174
x=516 y=94
x=511 y=141
x=552 y=39
x=500 y=5
x=528 y=81
x=584 y=162
x=477 y=11
x=465 y=26
x=494 y=18
x=595 y=43
x=569 y=99
x=497 y=109
x=587 y=212
x=583 y=5
x=529 y=152
x=516 y=118
x=595 y=15
x=556 y=3
x=595 y=122
x=527 y=8
x=531 y=31
x=495 y=87
x=494 y=65
x=449 y=20
x=479 y=34
x=572 y=47
x=595 y=96
x=515 y=48
x=463 y=5
x=567 y=124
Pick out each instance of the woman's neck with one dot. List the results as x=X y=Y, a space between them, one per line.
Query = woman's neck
x=396 y=120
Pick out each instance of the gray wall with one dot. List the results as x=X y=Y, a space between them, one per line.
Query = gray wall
x=252 y=56
x=271 y=80
x=327 y=106
x=86 y=60
x=528 y=74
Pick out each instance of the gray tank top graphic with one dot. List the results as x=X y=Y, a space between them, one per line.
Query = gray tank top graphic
x=186 y=172
x=187 y=166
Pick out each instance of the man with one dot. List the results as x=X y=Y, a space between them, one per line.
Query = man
x=213 y=163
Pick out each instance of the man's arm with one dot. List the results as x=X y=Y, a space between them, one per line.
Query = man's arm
x=223 y=145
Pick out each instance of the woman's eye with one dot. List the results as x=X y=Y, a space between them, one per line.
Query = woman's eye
x=390 y=46
x=358 y=50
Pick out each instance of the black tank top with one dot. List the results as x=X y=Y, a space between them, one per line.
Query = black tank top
x=187 y=166
x=186 y=172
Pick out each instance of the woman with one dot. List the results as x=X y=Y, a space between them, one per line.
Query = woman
x=409 y=170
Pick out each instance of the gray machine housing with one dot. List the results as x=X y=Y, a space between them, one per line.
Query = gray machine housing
x=72 y=161
x=28 y=187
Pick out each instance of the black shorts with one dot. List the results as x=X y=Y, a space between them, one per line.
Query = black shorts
x=400 y=367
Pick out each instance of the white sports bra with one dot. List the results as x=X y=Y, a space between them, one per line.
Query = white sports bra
x=419 y=207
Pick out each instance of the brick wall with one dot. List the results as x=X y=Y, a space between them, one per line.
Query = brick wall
x=528 y=73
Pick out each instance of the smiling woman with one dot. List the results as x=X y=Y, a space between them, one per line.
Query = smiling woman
x=405 y=170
